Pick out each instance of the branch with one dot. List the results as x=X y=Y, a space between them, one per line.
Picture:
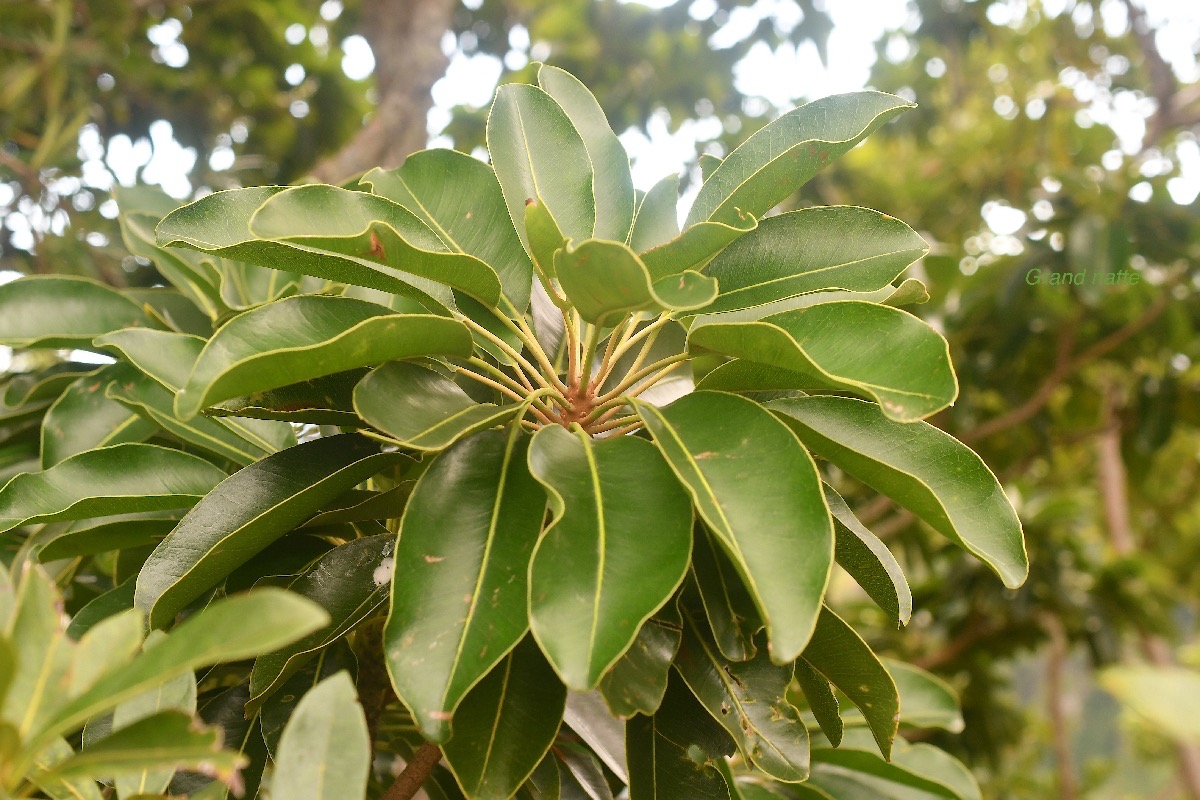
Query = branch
x=1162 y=79
x=415 y=773
x=1056 y=706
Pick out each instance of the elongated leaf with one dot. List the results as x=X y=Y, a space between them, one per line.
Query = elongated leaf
x=840 y=654
x=230 y=629
x=301 y=338
x=349 y=582
x=823 y=703
x=103 y=534
x=460 y=199
x=779 y=536
x=242 y=735
x=422 y=409
x=606 y=280
x=359 y=505
x=581 y=774
x=657 y=220
x=36 y=387
x=926 y=701
x=596 y=576
x=727 y=603
x=58 y=789
x=328 y=400
x=361 y=225
x=838 y=344
x=612 y=183
x=749 y=700
x=38 y=685
x=916 y=772
x=538 y=155
x=220 y=223
x=165 y=356
x=635 y=684
x=696 y=246
x=838 y=247
x=134 y=390
x=325 y=751
x=167 y=740
x=248 y=511
x=119 y=479
x=921 y=468
x=869 y=561
x=84 y=417
x=785 y=153
x=464 y=549
x=505 y=725
x=110 y=603
x=280 y=706
x=177 y=694
x=62 y=311
x=678 y=751
x=588 y=717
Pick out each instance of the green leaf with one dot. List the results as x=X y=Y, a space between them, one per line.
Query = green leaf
x=749 y=700
x=220 y=223
x=165 y=356
x=657 y=220
x=230 y=629
x=595 y=575
x=307 y=337
x=581 y=774
x=119 y=479
x=916 y=772
x=108 y=604
x=177 y=694
x=349 y=582
x=280 y=706
x=460 y=199
x=727 y=603
x=838 y=345
x=36 y=387
x=926 y=701
x=696 y=246
x=87 y=537
x=821 y=700
x=606 y=280
x=588 y=717
x=1168 y=698
x=612 y=183
x=779 y=536
x=166 y=741
x=869 y=561
x=538 y=155
x=84 y=417
x=226 y=710
x=840 y=654
x=328 y=400
x=545 y=239
x=506 y=724
x=248 y=285
x=369 y=226
x=38 y=685
x=62 y=311
x=921 y=468
x=111 y=644
x=635 y=684
x=422 y=409
x=463 y=551
x=248 y=511
x=359 y=505
x=77 y=789
x=779 y=158
x=325 y=750
x=676 y=753
x=838 y=247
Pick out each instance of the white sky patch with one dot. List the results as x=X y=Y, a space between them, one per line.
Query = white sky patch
x=358 y=62
x=469 y=81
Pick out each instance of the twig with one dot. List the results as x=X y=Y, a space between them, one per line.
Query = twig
x=415 y=773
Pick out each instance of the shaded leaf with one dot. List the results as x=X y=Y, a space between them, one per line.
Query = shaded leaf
x=821 y=700
x=727 y=603
x=916 y=772
x=84 y=418
x=325 y=750
x=62 y=311
x=657 y=220
x=635 y=684
x=869 y=561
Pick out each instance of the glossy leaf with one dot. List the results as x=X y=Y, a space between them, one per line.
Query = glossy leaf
x=26 y=388
x=727 y=603
x=782 y=155
x=606 y=280
x=612 y=183
x=463 y=551
x=695 y=246
x=675 y=753
x=349 y=582
x=827 y=247
x=657 y=220
x=749 y=700
x=325 y=751
x=926 y=701
x=119 y=479
x=62 y=311
x=368 y=226
x=422 y=409
x=110 y=603
x=165 y=356
x=588 y=717
x=823 y=703
x=88 y=537
x=220 y=223
x=328 y=400
x=84 y=418
x=840 y=654
x=505 y=725
x=460 y=199
x=915 y=772
x=538 y=155
x=280 y=706
x=595 y=576
x=779 y=536
x=869 y=561
x=838 y=344
x=921 y=468
x=301 y=338
x=635 y=684
x=248 y=511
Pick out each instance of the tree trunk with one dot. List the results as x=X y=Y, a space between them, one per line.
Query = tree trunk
x=405 y=38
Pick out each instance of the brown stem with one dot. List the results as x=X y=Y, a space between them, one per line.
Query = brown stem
x=416 y=772
x=1056 y=707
